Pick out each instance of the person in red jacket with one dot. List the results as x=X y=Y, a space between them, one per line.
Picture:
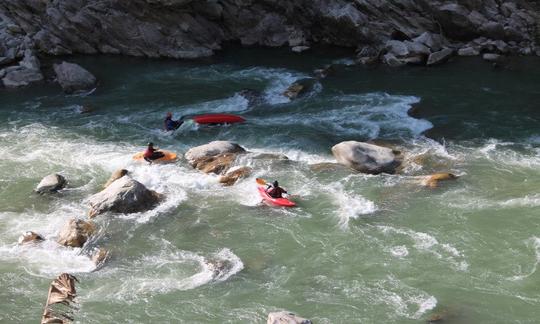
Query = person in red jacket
x=275 y=191
x=152 y=154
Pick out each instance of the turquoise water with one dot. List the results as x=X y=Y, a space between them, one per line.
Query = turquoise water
x=358 y=249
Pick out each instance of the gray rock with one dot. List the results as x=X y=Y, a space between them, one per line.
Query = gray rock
x=286 y=318
x=73 y=77
x=417 y=48
x=212 y=149
x=21 y=77
x=365 y=157
x=51 y=183
x=397 y=48
x=494 y=58
x=124 y=195
x=440 y=56
x=115 y=176
x=468 y=51
x=299 y=49
x=391 y=60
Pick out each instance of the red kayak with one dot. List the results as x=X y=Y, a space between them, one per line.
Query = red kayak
x=284 y=202
x=218 y=119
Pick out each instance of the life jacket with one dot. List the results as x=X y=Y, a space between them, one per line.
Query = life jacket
x=149 y=152
x=276 y=192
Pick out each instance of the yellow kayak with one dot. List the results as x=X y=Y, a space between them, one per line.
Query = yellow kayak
x=168 y=158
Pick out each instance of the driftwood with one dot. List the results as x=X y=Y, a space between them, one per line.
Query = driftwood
x=60 y=300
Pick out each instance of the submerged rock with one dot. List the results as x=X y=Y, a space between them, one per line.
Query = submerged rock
x=75 y=232
x=284 y=317
x=433 y=180
x=299 y=88
x=72 y=77
x=254 y=97
x=124 y=195
x=51 y=183
x=99 y=256
x=194 y=155
x=115 y=176
x=30 y=237
x=232 y=176
x=366 y=158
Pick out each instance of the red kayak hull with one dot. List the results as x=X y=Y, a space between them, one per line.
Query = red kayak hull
x=218 y=119
x=275 y=201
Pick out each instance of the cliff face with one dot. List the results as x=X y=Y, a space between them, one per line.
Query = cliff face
x=197 y=28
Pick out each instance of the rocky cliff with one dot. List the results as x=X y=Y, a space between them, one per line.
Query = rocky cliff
x=395 y=32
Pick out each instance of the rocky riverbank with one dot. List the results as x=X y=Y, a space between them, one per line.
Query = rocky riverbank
x=395 y=32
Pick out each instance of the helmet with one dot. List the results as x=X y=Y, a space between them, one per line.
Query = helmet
x=169 y=114
x=150 y=144
x=275 y=184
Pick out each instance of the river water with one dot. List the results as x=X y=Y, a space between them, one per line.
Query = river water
x=357 y=249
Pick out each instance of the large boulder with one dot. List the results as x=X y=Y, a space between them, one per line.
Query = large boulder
x=366 y=158
x=51 y=183
x=286 y=318
x=124 y=195
x=217 y=164
x=73 y=77
x=211 y=149
x=115 y=176
x=75 y=232
x=21 y=77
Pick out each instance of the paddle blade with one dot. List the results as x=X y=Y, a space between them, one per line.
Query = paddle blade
x=260 y=181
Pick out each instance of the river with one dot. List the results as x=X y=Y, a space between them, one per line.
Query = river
x=357 y=249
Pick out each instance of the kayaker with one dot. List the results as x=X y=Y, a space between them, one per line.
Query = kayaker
x=274 y=190
x=152 y=154
x=170 y=125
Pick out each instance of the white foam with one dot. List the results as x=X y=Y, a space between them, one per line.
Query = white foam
x=399 y=251
x=350 y=206
x=534 y=243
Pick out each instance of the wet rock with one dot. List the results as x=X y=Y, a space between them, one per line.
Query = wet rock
x=439 y=57
x=299 y=88
x=73 y=78
x=211 y=149
x=99 y=256
x=494 y=58
x=115 y=176
x=366 y=158
x=30 y=237
x=216 y=164
x=269 y=156
x=21 y=78
x=61 y=292
x=324 y=72
x=391 y=60
x=254 y=97
x=433 y=180
x=284 y=317
x=124 y=195
x=233 y=175
x=75 y=232
x=51 y=183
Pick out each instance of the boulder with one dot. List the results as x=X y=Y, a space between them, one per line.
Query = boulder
x=324 y=72
x=73 y=77
x=286 y=318
x=115 y=176
x=75 y=232
x=494 y=58
x=51 y=183
x=21 y=77
x=440 y=56
x=433 y=41
x=217 y=164
x=124 y=195
x=30 y=237
x=232 y=176
x=99 y=256
x=299 y=88
x=391 y=60
x=433 y=180
x=212 y=149
x=299 y=49
x=366 y=158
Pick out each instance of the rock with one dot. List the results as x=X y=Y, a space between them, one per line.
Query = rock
x=432 y=41
x=99 y=256
x=30 y=237
x=439 y=57
x=217 y=164
x=433 y=180
x=299 y=88
x=212 y=149
x=494 y=58
x=286 y=318
x=366 y=158
x=115 y=176
x=396 y=48
x=299 y=49
x=51 y=183
x=391 y=60
x=368 y=55
x=75 y=232
x=21 y=77
x=124 y=195
x=269 y=156
x=233 y=175
x=73 y=77
x=325 y=167
x=324 y=72
x=468 y=51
